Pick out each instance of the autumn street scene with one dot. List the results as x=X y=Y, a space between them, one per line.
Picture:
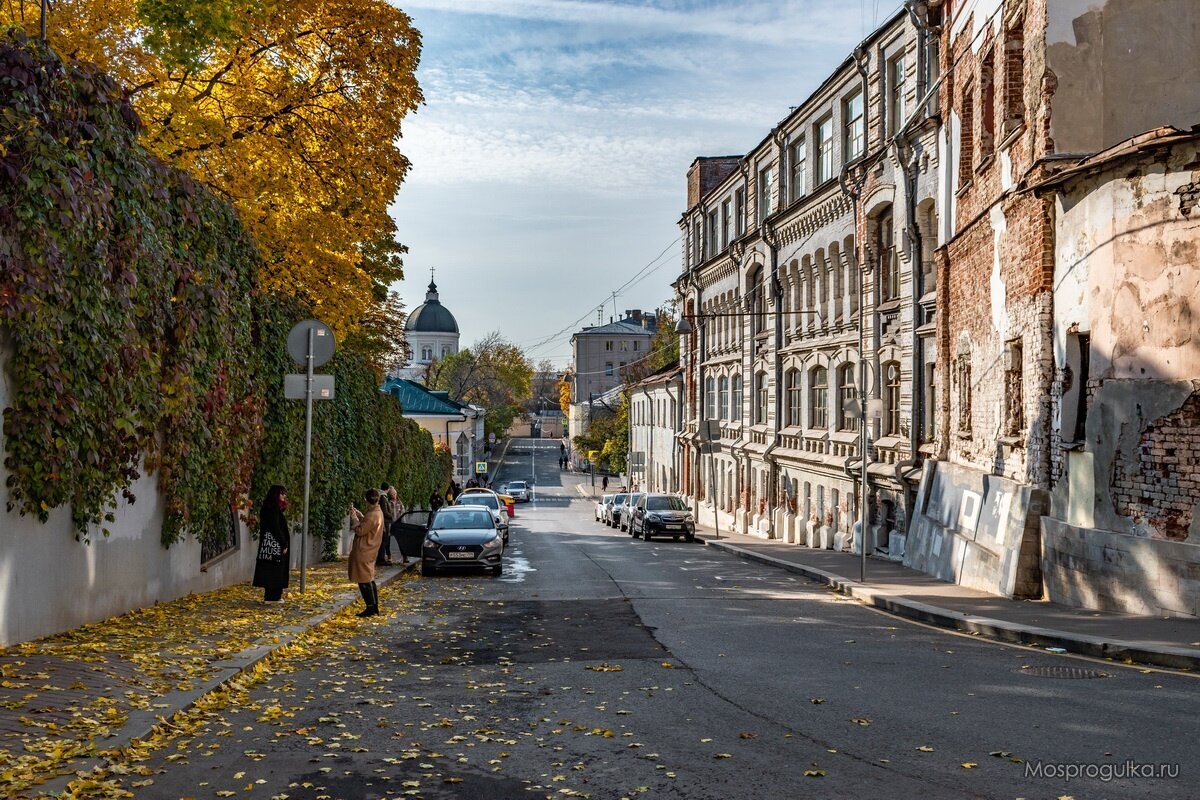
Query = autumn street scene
x=615 y=399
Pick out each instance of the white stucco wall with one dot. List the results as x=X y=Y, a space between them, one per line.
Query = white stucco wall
x=49 y=582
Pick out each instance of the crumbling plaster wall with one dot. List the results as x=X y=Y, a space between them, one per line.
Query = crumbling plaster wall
x=1122 y=67
x=1128 y=274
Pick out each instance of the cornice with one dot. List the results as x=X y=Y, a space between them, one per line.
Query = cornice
x=808 y=224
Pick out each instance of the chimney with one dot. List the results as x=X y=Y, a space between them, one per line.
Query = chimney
x=635 y=315
x=706 y=172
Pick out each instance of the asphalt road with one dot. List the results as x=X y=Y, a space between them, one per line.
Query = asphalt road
x=607 y=667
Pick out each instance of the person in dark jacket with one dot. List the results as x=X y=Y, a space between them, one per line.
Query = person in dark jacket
x=274 y=545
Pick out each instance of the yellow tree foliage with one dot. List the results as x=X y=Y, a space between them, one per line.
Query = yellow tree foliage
x=291 y=109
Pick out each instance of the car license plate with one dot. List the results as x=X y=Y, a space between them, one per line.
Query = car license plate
x=674 y=527
x=460 y=555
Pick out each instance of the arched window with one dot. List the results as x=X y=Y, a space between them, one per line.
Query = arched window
x=891 y=398
x=445 y=351
x=760 y=398
x=710 y=398
x=736 y=405
x=818 y=398
x=426 y=353
x=791 y=382
x=723 y=398
x=847 y=420
x=889 y=265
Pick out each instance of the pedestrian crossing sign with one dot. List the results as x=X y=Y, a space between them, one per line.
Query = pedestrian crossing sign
x=480 y=467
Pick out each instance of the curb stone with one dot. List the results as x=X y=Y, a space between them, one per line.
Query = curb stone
x=1182 y=658
x=142 y=723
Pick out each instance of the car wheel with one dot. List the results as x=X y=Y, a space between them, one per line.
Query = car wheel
x=689 y=538
x=427 y=569
x=498 y=570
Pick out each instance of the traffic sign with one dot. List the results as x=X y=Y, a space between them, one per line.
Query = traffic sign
x=295 y=384
x=322 y=342
x=480 y=467
x=491 y=437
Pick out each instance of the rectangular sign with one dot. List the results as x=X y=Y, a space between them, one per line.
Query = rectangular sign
x=480 y=467
x=294 y=386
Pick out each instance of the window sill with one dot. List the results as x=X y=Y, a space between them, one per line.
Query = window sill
x=1015 y=442
x=889 y=305
x=815 y=433
x=844 y=437
x=984 y=163
x=1073 y=445
x=1012 y=136
x=962 y=189
x=964 y=435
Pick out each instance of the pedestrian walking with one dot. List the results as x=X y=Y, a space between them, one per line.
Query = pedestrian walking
x=384 y=557
x=604 y=484
x=368 y=535
x=436 y=502
x=274 y=546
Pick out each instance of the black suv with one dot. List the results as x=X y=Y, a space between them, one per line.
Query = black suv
x=662 y=515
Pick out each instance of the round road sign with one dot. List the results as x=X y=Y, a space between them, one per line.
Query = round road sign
x=322 y=342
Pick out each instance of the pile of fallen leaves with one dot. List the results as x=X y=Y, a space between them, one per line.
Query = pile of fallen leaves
x=62 y=696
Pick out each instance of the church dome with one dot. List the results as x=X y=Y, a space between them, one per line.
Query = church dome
x=431 y=316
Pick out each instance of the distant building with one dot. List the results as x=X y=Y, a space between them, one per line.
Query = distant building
x=655 y=418
x=431 y=333
x=457 y=425
x=599 y=357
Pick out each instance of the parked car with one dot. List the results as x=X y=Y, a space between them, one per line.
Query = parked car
x=492 y=502
x=611 y=510
x=461 y=537
x=602 y=506
x=506 y=499
x=662 y=515
x=626 y=510
x=520 y=491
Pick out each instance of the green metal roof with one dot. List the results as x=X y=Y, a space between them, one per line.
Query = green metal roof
x=417 y=400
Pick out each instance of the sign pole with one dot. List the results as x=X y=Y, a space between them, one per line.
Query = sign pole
x=308 y=407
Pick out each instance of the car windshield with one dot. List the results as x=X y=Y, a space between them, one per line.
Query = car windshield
x=665 y=504
x=479 y=499
x=461 y=519
x=606 y=499
x=517 y=485
x=617 y=499
x=633 y=498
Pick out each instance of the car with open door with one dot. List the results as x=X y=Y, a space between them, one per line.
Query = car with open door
x=461 y=537
x=409 y=532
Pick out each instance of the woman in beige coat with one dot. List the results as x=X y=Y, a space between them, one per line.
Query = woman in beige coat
x=368 y=535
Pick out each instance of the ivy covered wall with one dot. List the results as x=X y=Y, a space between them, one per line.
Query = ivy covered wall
x=140 y=340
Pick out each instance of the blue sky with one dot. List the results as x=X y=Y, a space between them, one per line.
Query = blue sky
x=549 y=159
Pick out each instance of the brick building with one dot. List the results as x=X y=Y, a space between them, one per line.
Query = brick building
x=1030 y=92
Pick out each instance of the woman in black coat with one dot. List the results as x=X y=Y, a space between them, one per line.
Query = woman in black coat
x=272 y=564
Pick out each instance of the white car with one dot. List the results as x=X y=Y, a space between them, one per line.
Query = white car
x=519 y=491
x=601 y=507
x=491 y=502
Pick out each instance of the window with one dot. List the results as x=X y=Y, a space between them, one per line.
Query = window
x=697 y=237
x=896 y=92
x=962 y=378
x=608 y=346
x=766 y=186
x=891 y=398
x=427 y=353
x=713 y=243
x=824 y=150
x=931 y=402
x=736 y=391
x=987 y=104
x=445 y=352
x=636 y=345
x=608 y=368
x=726 y=219
x=819 y=398
x=625 y=347
x=710 y=398
x=798 y=163
x=723 y=398
x=758 y=301
x=847 y=419
x=1014 y=389
x=739 y=211
x=760 y=398
x=1014 y=80
x=889 y=266
x=966 y=137
x=791 y=382
x=854 y=133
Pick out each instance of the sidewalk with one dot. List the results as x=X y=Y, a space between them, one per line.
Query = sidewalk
x=67 y=697
x=1167 y=642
